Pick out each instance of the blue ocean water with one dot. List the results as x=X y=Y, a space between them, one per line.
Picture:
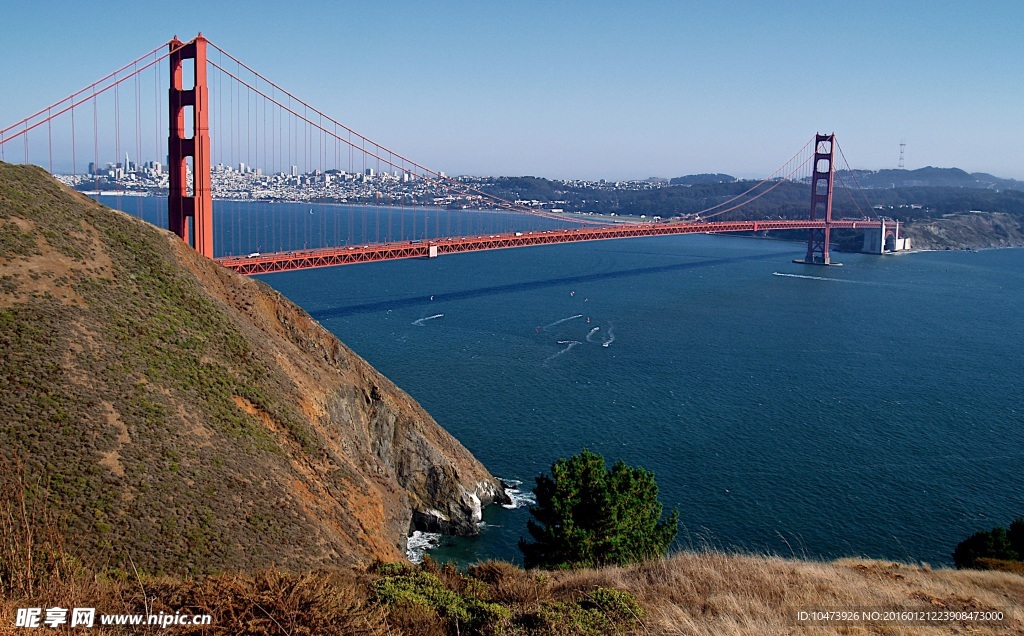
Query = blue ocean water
x=872 y=410
x=244 y=227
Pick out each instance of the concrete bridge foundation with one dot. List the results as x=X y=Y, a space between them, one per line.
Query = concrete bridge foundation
x=885 y=239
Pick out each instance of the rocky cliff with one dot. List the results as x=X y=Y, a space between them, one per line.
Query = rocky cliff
x=966 y=231
x=187 y=419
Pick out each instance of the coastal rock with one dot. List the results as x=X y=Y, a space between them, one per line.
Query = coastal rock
x=966 y=231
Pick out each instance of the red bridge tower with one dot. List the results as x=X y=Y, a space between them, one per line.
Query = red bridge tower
x=199 y=206
x=821 y=194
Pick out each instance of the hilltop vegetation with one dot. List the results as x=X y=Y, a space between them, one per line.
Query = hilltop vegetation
x=588 y=515
x=695 y=593
x=941 y=208
x=700 y=594
x=173 y=411
x=925 y=196
x=931 y=177
x=996 y=549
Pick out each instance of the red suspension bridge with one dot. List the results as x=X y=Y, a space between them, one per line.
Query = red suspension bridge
x=269 y=145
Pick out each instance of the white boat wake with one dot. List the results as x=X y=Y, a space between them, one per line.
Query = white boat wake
x=558 y=322
x=419 y=323
x=610 y=339
x=590 y=336
x=569 y=345
x=838 y=280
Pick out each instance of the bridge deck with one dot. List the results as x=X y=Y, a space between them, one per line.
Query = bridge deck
x=330 y=256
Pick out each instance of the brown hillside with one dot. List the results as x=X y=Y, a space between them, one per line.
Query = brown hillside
x=962 y=231
x=194 y=419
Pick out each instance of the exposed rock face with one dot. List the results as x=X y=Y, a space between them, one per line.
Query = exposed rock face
x=445 y=495
x=195 y=420
x=966 y=231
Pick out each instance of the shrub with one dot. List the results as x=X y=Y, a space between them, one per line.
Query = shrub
x=587 y=515
x=418 y=596
x=604 y=611
x=994 y=544
x=1015 y=535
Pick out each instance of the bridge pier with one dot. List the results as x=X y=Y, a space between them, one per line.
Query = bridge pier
x=885 y=238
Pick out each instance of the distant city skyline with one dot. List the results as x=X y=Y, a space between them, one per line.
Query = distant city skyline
x=594 y=90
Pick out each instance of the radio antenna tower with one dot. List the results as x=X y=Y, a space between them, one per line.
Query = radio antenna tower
x=903 y=144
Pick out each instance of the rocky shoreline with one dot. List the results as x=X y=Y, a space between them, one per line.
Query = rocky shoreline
x=973 y=230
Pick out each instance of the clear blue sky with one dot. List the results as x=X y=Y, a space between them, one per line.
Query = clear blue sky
x=588 y=89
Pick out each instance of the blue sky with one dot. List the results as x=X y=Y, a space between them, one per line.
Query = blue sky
x=594 y=89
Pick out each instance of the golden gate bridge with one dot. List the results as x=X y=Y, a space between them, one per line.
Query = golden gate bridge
x=266 y=130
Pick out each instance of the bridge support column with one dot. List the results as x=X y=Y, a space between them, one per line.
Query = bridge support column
x=821 y=200
x=190 y=215
x=885 y=239
x=874 y=240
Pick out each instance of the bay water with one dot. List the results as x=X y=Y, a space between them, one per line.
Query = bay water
x=874 y=409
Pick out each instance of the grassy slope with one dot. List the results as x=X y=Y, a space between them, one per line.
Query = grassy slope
x=191 y=418
x=691 y=593
x=115 y=355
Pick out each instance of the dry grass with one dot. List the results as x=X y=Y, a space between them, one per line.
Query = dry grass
x=720 y=594
x=691 y=593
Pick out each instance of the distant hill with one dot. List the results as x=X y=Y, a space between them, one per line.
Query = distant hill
x=175 y=413
x=699 y=179
x=932 y=177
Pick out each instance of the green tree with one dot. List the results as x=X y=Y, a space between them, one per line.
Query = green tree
x=587 y=515
x=994 y=544
x=1015 y=535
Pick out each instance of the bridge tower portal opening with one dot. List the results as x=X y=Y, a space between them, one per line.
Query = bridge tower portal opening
x=190 y=216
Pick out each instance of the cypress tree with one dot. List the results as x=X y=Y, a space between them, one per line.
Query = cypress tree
x=587 y=515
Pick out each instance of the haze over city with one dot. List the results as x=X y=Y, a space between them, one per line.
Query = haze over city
x=588 y=90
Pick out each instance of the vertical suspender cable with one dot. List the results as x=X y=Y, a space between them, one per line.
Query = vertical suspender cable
x=49 y=136
x=376 y=200
x=363 y=238
x=138 y=132
x=74 y=159
x=156 y=113
x=95 y=145
x=324 y=239
x=337 y=167
x=351 y=211
x=117 y=140
x=391 y=202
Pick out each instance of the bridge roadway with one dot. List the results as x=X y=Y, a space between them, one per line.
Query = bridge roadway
x=267 y=263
